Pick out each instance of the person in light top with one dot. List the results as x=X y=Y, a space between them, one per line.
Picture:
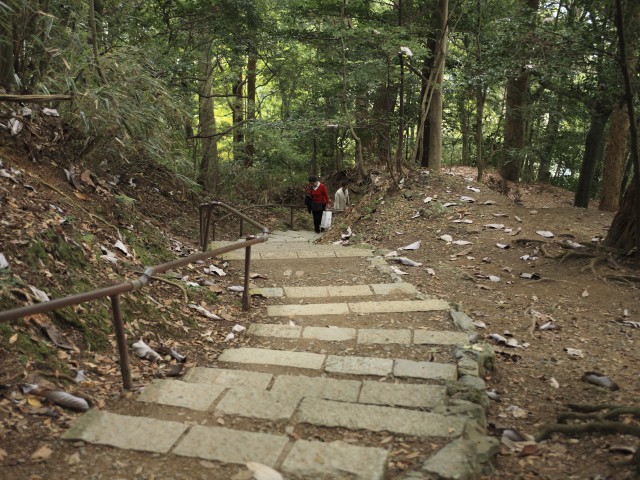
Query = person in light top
x=341 y=201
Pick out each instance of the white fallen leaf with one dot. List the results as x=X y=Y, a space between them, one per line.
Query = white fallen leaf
x=3 y=261
x=391 y=254
x=502 y=245
x=517 y=412
x=494 y=278
x=517 y=218
x=262 y=472
x=39 y=294
x=548 y=326
x=462 y=242
x=407 y=261
x=122 y=247
x=416 y=215
x=473 y=189
x=230 y=336
x=431 y=272
x=585 y=293
x=554 y=383
x=489 y=202
x=397 y=271
x=427 y=199
x=449 y=204
x=143 y=350
x=204 y=312
x=292 y=323
x=213 y=269
x=238 y=328
x=413 y=246
x=463 y=220
x=574 y=352
x=15 y=126
x=544 y=233
x=467 y=199
x=499 y=214
x=235 y=288
x=495 y=226
x=446 y=238
x=480 y=324
x=52 y=112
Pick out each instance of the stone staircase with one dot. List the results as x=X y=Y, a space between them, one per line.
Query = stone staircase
x=364 y=380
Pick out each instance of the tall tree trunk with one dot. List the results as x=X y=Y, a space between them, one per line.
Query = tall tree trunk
x=94 y=41
x=435 y=111
x=517 y=100
x=514 y=127
x=208 y=176
x=481 y=96
x=252 y=64
x=400 y=144
x=615 y=160
x=592 y=154
x=463 y=111
x=238 y=116
x=553 y=127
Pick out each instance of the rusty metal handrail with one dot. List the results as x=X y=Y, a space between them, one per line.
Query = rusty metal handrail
x=118 y=289
x=206 y=209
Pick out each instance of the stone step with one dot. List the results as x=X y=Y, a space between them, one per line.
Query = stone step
x=337 y=291
x=341 y=364
x=299 y=386
x=305 y=458
x=361 y=336
x=282 y=401
x=292 y=250
x=391 y=306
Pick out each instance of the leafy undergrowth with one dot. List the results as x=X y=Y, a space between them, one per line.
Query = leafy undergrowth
x=565 y=310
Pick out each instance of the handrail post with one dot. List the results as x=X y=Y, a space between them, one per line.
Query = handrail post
x=291 y=217
x=241 y=227
x=122 y=343
x=246 y=304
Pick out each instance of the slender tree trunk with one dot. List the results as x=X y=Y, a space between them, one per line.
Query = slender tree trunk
x=514 y=127
x=208 y=176
x=463 y=111
x=400 y=145
x=481 y=95
x=615 y=159
x=238 y=116
x=553 y=127
x=252 y=63
x=592 y=154
x=435 y=112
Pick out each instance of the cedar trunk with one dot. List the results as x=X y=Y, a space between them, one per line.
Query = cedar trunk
x=615 y=160
x=592 y=154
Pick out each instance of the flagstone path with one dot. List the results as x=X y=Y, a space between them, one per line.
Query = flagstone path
x=370 y=380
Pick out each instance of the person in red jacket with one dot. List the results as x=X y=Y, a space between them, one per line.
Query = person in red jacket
x=319 y=200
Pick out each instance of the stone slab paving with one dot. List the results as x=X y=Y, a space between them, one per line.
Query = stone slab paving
x=371 y=335
x=335 y=459
x=231 y=378
x=247 y=402
x=336 y=290
x=402 y=394
x=329 y=388
x=363 y=335
x=329 y=413
x=127 y=432
x=426 y=370
x=195 y=396
x=271 y=330
x=267 y=292
x=392 y=306
x=393 y=288
x=439 y=338
x=291 y=250
x=231 y=446
x=359 y=365
x=264 y=356
x=317 y=309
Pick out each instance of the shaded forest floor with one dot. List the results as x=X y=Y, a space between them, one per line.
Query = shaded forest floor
x=61 y=239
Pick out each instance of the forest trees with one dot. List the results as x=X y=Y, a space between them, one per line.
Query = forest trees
x=260 y=92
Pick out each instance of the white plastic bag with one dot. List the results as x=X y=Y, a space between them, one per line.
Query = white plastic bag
x=326 y=220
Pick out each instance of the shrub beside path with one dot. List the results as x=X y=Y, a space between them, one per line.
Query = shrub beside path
x=348 y=372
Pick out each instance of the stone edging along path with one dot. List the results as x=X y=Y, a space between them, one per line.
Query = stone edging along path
x=379 y=392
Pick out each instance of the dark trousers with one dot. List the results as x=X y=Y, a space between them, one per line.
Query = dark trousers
x=317 y=218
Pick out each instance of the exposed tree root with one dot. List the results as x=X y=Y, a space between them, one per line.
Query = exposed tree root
x=595 y=420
